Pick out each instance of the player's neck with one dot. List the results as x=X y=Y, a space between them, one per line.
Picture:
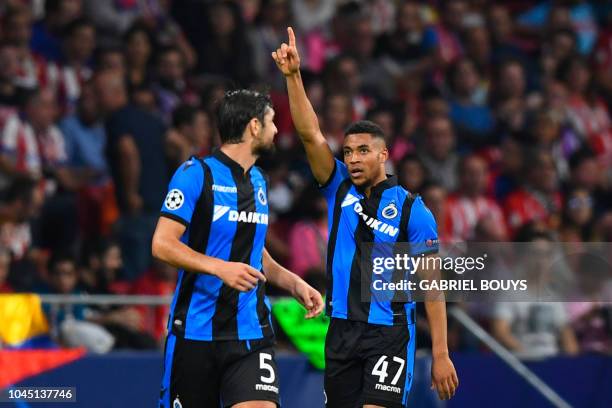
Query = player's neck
x=241 y=153
x=382 y=177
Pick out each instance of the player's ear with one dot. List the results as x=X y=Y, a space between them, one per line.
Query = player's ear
x=384 y=154
x=254 y=126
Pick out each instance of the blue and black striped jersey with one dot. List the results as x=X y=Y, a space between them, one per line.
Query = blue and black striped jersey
x=225 y=211
x=390 y=214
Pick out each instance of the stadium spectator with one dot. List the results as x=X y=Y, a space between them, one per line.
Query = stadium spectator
x=448 y=32
x=308 y=237
x=21 y=204
x=438 y=155
x=434 y=196
x=590 y=318
x=342 y=76
x=311 y=16
x=77 y=54
x=410 y=46
x=471 y=117
x=171 y=87
x=411 y=173
x=112 y=18
x=539 y=198
x=47 y=33
x=375 y=79
x=588 y=173
x=139 y=44
x=577 y=15
x=5 y=263
x=135 y=153
x=578 y=212
x=506 y=44
x=469 y=205
x=33 y=69
x=509 y=97
x=224 y=48
x=10 y=93
x=100 y=266
x=191 y=134
x=506 y=174
x=478 y=44
x=534 y=329
x=603 y=59
x=269 y=31
x=111 y=58
x=85 y=137
x=337 y=114
x=588 y=113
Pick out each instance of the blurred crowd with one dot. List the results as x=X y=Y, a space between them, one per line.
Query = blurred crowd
x=497 y=113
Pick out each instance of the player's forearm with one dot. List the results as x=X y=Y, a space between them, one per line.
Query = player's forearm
x=435 y=307
x=304 y=117
x=174 y=252
x=278 y=275
x=436 y=316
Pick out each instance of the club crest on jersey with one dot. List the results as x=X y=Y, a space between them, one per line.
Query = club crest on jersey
x=177 y=403
x=390 y=211
x=174 y=199
x=261 y=196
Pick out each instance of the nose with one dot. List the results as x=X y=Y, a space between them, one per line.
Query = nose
x=353 y=158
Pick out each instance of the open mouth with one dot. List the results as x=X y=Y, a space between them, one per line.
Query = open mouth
x=355 y=173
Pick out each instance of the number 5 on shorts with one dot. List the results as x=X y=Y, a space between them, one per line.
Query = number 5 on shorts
x=263 y=357
x=380 y=369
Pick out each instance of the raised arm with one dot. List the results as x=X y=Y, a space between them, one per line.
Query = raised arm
x=304 y=117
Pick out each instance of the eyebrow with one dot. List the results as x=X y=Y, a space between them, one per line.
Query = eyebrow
x=358 y=147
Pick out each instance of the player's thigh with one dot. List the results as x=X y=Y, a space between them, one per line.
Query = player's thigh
x=389 y=367
x=343 y=366
x=249 y=377
x=190 y=376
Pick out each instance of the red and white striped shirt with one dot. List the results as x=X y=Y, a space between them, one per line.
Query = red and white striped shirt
x=463 y=214
x=27 y=151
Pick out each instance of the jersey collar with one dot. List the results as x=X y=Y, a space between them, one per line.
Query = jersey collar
x=229 y=162
x=390 y=181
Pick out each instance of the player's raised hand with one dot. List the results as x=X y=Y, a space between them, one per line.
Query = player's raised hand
x=444 y=377
x=309 y=297
x=287 y=57
x=239 y=276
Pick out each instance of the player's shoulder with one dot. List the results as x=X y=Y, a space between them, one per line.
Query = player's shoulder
x=419 y=209
x=402 y=194
x=189 y=171
x=192 y=165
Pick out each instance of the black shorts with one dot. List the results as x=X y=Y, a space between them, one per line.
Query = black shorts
x=368 y=364
x=218 y=373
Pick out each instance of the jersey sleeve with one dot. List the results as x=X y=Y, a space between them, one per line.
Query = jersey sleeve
x=184 y=191
x=422 y=229
x=339 y=174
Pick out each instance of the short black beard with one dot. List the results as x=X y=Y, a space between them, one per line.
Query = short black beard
x=264 y=151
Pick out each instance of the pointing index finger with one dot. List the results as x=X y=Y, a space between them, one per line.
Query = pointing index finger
x=291 y=36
